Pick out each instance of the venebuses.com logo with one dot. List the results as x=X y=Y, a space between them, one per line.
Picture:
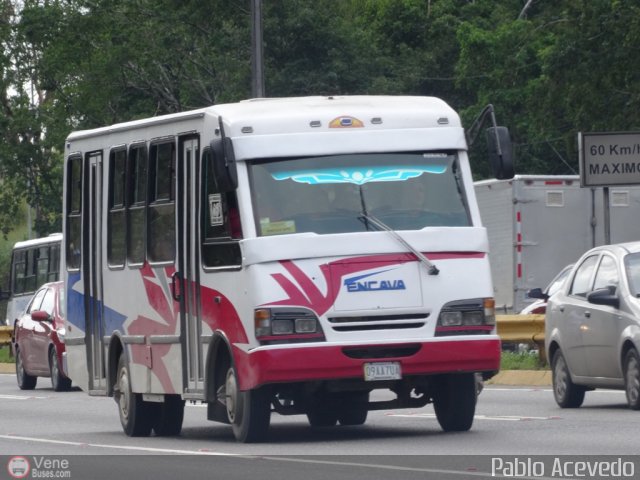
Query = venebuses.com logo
x=18 y=467
x=38 y=467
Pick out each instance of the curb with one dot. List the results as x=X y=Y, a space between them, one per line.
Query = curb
x=7 y=368
x=536 y=378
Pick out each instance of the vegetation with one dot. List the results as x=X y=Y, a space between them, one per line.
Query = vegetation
x=551 y=69
x=5 y=355
x=521 y=361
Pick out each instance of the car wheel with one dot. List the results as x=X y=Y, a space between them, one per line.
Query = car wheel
x=566 y=393
x=25 y=381
x=135 y=413
x=454 y=402
x=59 y=381
x=632 y=379
x=249 y=412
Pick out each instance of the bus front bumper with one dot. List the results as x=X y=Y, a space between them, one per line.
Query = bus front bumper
x=336 y=362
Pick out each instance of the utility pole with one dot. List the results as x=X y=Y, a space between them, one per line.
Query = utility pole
x=257 y=50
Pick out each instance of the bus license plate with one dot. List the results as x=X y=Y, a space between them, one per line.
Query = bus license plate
x=382 y=371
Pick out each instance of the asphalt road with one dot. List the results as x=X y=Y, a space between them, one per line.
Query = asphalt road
x=510 y=421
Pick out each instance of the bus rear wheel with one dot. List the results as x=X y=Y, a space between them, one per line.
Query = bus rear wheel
x=355 y=409
x=135 y=413
x=249 y=412
x=455 y=402
x=167 y=421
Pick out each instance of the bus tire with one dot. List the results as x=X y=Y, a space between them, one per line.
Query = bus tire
x=25 y=381
x=59 y=382
x=566 y=393
x=249 y=412
x=322 y=416
x=168 y=417
x=355 y=410
x=455 y=402
x=135 y=413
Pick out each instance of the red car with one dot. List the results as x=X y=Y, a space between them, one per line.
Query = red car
x=38 y=339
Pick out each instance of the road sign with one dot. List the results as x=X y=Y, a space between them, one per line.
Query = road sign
x=608 y=159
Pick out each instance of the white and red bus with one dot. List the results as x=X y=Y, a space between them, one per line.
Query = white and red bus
x=282 y=256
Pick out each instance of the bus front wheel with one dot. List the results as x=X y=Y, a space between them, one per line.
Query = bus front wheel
x=455 y=402
x=249 y=412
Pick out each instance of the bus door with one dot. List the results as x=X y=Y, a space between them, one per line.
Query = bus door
x=92 y=271
x=187 y=264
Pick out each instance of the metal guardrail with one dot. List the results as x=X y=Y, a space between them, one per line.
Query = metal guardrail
x=5 y=335
x=511 y=328
x=522 y=329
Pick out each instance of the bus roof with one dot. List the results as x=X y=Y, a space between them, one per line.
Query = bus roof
x=53 y=238
x=293 y=127
x=277 y=115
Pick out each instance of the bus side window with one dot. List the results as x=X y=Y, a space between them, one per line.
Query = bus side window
x=116 y=229
x=19 y=271
x=31 y=272
x=54 y=263
x=220 y=220
x=42 y=268
x=137 y=204
x=74 y=213
x=162 y=221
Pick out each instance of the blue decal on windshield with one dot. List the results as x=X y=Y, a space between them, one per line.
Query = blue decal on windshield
x=359 y=176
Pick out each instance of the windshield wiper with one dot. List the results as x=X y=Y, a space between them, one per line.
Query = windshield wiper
x=368 y=218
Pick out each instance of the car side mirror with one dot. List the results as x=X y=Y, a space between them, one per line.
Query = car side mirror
x=537 y=293
x=40 y=316
x=604 y=296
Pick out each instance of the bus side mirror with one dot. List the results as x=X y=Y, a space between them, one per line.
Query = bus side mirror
x=224 y=162
x=500 y=152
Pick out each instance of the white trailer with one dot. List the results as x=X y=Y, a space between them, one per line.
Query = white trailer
x=537 y=224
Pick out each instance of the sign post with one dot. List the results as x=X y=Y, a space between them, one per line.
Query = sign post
x=609 y=159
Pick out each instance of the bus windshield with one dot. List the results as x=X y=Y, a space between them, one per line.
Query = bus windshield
x=335 y=194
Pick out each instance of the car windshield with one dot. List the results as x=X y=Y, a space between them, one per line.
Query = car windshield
x=558 y=281
x=406 y=191
x=632 y=267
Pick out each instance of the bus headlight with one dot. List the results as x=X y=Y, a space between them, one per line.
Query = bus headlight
x=285 y=325
x=467 y=317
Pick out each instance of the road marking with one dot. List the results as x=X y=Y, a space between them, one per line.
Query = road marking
x=505 y=418
x=470 y=470
x=118 y=447
x=20 y=397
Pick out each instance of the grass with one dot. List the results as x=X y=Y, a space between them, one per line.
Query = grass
x=5 y=356
x=521 y=361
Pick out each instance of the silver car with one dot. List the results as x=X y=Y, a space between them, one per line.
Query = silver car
x=592 y=326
